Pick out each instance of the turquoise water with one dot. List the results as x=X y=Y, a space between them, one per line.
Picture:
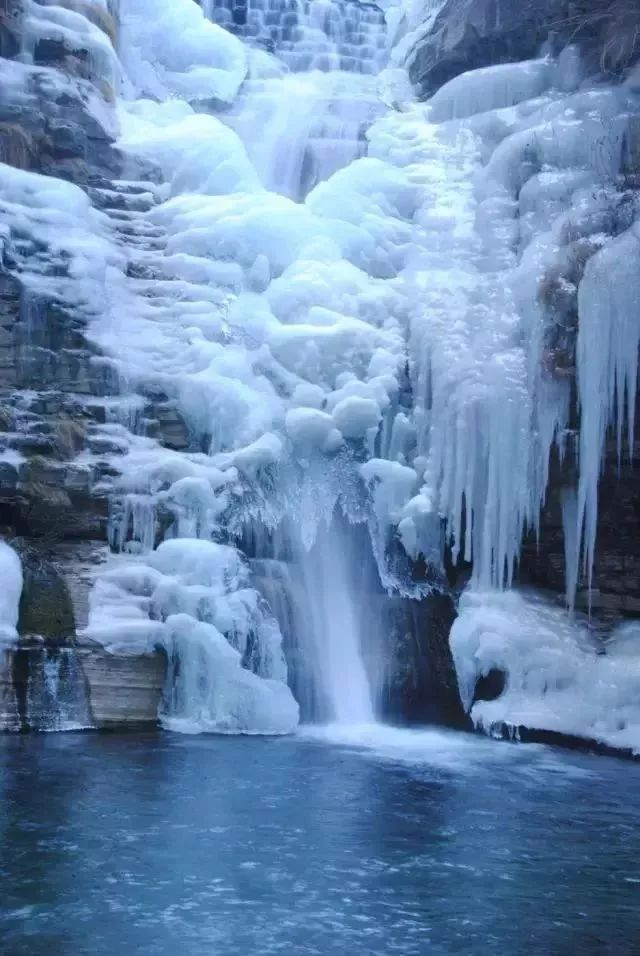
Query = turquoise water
x=375 y=841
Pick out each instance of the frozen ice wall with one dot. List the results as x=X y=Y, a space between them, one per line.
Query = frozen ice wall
x=356 y=303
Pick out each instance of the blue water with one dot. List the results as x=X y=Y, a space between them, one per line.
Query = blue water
x=374 y=842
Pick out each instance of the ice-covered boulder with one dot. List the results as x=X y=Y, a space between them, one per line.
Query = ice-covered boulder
x=440 y=39
x=557 y=677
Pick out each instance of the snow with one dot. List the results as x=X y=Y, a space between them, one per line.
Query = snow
x=11 y=573
x=557 y=677
x=197 y=153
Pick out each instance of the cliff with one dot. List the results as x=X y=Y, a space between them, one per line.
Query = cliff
x=58 y=397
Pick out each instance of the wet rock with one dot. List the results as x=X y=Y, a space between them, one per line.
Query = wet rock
x=68 y=140
x=17 y=147
x=9 y=713
x=419 y=684
x=46 y=608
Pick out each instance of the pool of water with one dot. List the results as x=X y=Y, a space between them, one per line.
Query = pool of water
x=368 y=841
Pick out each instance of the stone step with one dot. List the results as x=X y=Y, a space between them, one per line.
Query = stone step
x=134 y=187
x=140 y=229
x=110 y=200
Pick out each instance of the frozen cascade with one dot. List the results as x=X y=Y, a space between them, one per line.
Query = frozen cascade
x=367 y=280
x=321 y=597
x=327 y=56
x=56 y=691
x=335 y=619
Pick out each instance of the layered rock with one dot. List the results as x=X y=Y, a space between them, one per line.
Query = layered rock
x=59 y=403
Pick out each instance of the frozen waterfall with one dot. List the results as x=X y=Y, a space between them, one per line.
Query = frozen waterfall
x=366 y=312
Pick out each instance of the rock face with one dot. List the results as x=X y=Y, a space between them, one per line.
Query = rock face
x=419 y=681
x=462 y=35
x=615 y=587
x=468 y=34
x=57 y=401
x=80 y=687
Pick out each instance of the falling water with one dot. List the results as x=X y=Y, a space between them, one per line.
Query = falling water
x=300 y=126
x=335 y=615
x=305 y=119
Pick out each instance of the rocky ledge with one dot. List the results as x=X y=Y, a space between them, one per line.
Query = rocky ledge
x=59 y=405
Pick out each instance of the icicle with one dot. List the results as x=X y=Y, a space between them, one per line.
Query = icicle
x=607 y=365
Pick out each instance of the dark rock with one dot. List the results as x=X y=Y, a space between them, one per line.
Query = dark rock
x=469 y=34
x=555 y=738
x=10 y=15
x=615 y=588
x=489 y=686
x=46 y=609
x=419 y=683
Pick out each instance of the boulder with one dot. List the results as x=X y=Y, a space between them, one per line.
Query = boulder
x=469 y=34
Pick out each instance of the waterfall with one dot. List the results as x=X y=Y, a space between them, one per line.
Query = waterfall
x=335 y=615
x=358 y=308
x=307 y=116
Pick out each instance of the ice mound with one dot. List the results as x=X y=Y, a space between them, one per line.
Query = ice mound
x=77 y=32
x=192 y=597
x=491 y=88
x=558 y=677
x=169 y=48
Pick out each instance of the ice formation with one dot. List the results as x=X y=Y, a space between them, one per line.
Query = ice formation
x=11 y=574
x=558 y=677
x=348 y=302
x=192 y=597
